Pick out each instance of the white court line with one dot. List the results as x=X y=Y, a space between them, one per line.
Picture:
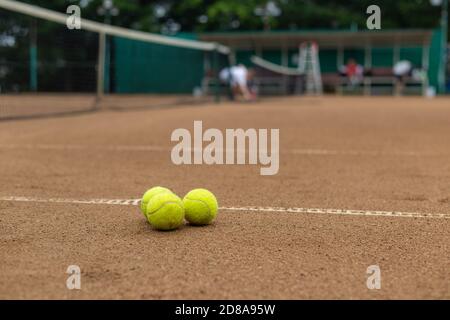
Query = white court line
x=122 y=202
x=150 y=148
x=136 y=202
x=84 y=147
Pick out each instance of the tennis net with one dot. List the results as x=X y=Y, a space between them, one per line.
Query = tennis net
x=48 y=69
x=273 y=79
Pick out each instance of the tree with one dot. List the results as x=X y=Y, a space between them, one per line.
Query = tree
x=226 y=15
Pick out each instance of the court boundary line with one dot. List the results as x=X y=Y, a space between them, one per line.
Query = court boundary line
x=136 y=202
x=154 y=148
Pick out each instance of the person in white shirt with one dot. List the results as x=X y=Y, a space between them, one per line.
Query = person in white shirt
x=237 y=77
x=401 y=70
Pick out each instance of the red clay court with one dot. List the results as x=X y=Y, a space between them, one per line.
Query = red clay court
x=362 y=181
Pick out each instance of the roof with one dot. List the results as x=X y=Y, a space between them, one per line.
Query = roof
x=324 y=38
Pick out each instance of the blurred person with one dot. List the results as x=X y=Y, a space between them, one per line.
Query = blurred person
x=225 y=79
x=237 y=79
x=401 y=70
x=353 y=71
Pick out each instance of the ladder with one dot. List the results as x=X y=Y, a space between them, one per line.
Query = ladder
x=309 y=66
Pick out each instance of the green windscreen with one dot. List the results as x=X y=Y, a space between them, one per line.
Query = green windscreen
x=434 y=65
x=382 y=57
x=244 y=57
x=273 y=56
x=143 y=67
x=413 y=54
x=328 y=60
x=355 y=54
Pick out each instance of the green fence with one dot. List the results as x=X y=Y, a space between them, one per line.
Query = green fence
x=143 y=67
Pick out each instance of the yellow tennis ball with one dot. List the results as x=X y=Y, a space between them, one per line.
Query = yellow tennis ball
x=200 y=207
x=165 y=211
x=150 y=194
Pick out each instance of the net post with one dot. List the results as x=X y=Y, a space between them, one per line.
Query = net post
x=100 y=67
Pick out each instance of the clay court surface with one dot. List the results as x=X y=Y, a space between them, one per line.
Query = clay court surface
x=388 y=159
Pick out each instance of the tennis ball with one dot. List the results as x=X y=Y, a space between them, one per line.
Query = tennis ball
x=165 y=211
x=200 y=207
x=150 y=194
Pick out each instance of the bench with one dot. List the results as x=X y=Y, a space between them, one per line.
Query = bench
x=373 y=79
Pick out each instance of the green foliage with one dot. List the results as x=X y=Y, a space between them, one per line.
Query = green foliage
x=226 y=15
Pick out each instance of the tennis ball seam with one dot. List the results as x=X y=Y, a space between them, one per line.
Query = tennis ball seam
x=159 y=208
x=156 y=190
x=204 y=202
